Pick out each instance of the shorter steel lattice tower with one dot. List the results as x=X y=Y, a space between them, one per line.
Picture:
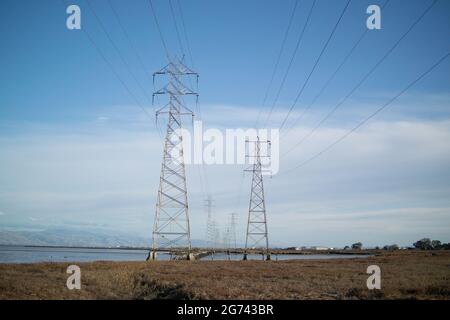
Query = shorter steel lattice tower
x=257 y=234
x=171 y=229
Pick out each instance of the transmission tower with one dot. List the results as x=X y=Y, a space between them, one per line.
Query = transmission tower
x=171 y=228
x=216 y=236
x=257 y=235
x=233 y=230
x=226 y=238
x=210 y=223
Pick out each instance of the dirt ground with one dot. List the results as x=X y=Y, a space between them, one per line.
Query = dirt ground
x=404 y=275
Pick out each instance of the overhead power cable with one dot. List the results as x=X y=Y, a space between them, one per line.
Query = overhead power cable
x=161 y=37
x=116 y=48
x=203 y=177
x=291 y=61
x=180 y=43
x=130 y=42
x=315 y=64
x=275 y=68
x=136 y=52
x=113 y=70
x=364 y=121
x=330 y=79
x=185 y=34
x=364 y=78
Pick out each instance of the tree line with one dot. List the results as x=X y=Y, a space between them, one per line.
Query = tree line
x=422 y=244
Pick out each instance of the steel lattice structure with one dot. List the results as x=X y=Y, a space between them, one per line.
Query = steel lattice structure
x=257 y=234
x=171 y=227
x=210 y=223
x=232 y=240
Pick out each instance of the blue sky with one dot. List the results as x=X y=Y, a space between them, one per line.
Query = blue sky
x=75 y=146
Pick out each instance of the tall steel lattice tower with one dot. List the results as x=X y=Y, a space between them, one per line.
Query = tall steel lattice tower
x=257 y=234
x=171 y=228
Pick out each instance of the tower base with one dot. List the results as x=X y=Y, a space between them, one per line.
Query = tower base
x=151 y=256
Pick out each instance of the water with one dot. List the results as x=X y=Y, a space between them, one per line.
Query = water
x=24 y=254
x=281 y=257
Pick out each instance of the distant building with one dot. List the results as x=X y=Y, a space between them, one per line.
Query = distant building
x=295 y=248
x=315 y=248
x=320 y=248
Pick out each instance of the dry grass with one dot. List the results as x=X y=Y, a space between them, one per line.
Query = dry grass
x=405 y=275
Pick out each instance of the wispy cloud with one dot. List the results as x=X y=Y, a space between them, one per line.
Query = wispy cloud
x=388 y=182
x=102 y=119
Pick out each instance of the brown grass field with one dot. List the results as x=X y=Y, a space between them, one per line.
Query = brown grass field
x=405 y=275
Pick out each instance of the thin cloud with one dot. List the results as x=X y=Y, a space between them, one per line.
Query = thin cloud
x=385 y=179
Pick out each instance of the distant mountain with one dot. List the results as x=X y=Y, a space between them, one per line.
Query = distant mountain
x=72 y=237
x=78 y=238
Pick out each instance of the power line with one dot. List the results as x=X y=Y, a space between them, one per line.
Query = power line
x=202 y=170
x=283 y=43
x=290 y=62
x=315 y=64
x=176 y=27
x=130 y=42
x=110 y=65
x=241 y=184
x=181 y=43
x=159 y=30
x=118 y=50
x=122 y=57
x=185 y=33
x=136 y=52
x=360 y=124
x=327 y=83
x=385 y=56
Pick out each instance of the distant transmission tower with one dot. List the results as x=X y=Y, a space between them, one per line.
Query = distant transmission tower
x=226 y=238
x=210 y=224
x=216 y=236
x=171 y=226
x=257 y=235
x=233 y=230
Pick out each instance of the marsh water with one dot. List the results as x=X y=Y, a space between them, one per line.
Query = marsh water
x=281 y=257
x=29 y=254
